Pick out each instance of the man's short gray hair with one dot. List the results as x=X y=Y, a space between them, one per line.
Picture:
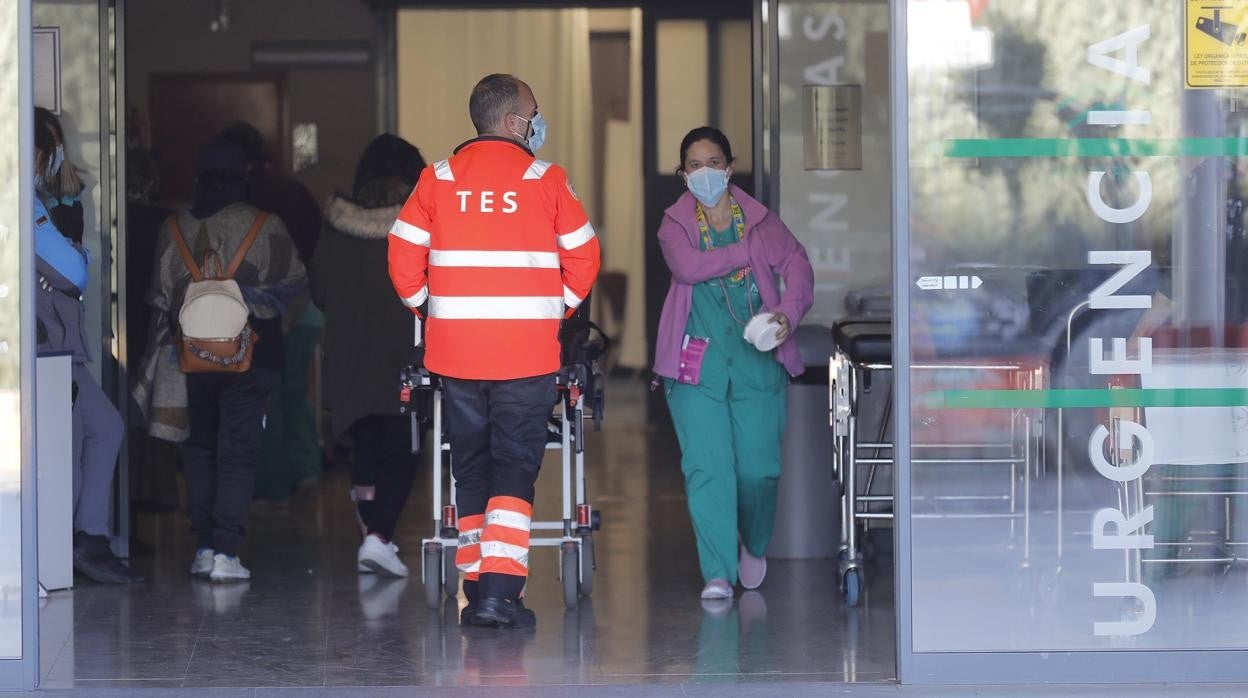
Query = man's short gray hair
x=492 y=99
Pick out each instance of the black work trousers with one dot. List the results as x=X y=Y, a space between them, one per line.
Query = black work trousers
x=383 y=460
x=497 y=432
x=220 y=457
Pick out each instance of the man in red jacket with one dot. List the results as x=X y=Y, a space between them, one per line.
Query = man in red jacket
x=495 y=243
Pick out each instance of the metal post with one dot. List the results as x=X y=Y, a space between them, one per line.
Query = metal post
x=437 y=462
x=566 y=463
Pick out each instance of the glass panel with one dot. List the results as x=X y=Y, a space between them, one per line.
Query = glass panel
x=1078 y=325
x=10 y=355
x=433 y=104
x=80 y=101
x=736 y=110
x=840 y=215
x=681 y=93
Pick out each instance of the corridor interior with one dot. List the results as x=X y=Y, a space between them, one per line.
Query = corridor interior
x=307 y=619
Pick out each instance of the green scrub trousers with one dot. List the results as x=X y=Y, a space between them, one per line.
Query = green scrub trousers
x=730 y=427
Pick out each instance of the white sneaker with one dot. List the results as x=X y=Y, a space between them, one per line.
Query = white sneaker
x=226 y=568
x=717 y=589
x=201 y=568
x=381 y=557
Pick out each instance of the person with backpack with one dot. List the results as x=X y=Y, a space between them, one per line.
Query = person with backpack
x=226 y=273
x=291 y=454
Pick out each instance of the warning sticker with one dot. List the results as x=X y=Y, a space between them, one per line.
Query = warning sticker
x=1217 y=43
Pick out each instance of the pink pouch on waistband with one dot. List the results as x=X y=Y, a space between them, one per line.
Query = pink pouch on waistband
x=692 y=351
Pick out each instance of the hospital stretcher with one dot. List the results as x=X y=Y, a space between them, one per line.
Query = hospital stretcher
x=995 y=439
x=580 y=399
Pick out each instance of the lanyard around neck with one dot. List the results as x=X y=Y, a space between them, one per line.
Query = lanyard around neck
x=742 y=274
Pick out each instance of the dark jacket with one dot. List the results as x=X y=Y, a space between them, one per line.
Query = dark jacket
x=369 y=333
x=295 y=205
x=143 y=223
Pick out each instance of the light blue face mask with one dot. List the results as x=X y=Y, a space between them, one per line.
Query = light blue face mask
x=538 y=123
x=708 y=185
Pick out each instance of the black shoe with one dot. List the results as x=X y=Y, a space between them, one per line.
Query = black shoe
x=505 y=613
x=94 y=560
x=131 y=575
x=468 y=616
x=91 y=563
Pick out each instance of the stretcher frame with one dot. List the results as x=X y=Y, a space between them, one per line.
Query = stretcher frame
x=845 y=379
x=1132 y=496
x=572 y=534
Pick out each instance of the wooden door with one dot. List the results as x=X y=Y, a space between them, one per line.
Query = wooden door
x=188 y=110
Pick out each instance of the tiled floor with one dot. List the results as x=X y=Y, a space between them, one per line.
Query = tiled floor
x=308 y=620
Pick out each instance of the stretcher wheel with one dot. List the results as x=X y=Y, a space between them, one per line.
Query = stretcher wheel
x=433 y=575
x=851 y=587
x=450 y=573
x=570 y=574
x=587 y=565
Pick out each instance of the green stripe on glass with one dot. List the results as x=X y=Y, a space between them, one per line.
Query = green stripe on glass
x=1086 y=398
x=1094 y=147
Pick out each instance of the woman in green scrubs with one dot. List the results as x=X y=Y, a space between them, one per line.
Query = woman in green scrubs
x=728 y=255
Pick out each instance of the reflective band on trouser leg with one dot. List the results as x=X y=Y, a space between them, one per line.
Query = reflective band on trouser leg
x=505 y=540
x=468 y=554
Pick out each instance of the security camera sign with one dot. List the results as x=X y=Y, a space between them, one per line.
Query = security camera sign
x=1217 y=43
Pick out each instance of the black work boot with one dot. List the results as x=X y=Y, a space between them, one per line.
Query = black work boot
x=504 y=613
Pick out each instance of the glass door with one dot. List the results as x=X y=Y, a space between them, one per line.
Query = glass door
x=18 y=586
x=1073 y=338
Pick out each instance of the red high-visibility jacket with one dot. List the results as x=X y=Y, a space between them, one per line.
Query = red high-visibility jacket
x=498 y=244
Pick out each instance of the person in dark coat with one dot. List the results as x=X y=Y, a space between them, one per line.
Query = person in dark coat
x=271 y=191
x=369 y=337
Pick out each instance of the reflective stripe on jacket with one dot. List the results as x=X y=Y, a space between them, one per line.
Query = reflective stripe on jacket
x=498 y=246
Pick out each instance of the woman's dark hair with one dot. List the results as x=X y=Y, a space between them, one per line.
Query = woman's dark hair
x=387 y=171
x=705 y=133
x=216 y=189
x=47 y=131
x=250 y=139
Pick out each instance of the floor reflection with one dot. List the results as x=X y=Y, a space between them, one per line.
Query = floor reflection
x=308 y=619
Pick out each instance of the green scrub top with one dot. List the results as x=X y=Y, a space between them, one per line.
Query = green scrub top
x=729 y=359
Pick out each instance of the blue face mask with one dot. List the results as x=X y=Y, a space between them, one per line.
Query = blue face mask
x=538 y=123
x=708 y=185
x=51 y=169
x=539 y=132
x=58 y=160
